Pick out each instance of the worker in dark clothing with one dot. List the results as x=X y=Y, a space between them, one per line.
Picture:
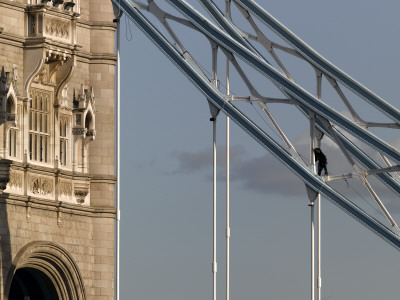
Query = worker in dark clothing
x=322 y=162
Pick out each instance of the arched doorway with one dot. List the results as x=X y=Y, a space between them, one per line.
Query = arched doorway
x=44 y=270
x=31 y=284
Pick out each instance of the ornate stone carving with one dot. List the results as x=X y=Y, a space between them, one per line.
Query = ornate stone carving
x=42 y=23
x=11 y=117
x=78 y=131
x=65 y=188
x=43 y=75
x=40 y=185
x=8 y=96
x=81 y=190
x=80 y=195
x=84 y=113
x=47 y=187
x=35 y=186
x=57 y=27
x=16 y=179
x=54 y=59
x=91 y=132
x=64 y=97
x=64 y=118
x=5 y=116
x=84 y=98
x=83 y=130
x=57 y=55
x=12 y=79
x=8 y=80
x=59 y=4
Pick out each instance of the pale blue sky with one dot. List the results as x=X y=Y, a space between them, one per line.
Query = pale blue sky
x=166 y=188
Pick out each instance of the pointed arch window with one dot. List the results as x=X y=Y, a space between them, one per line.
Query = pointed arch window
x=12 y=142
x=12 y=131
x=39 y=132
x=63 y=141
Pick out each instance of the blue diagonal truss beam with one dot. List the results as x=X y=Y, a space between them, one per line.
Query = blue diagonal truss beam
x=291 y=88
x=355 y=151
x=217 y=98
x=317 y=60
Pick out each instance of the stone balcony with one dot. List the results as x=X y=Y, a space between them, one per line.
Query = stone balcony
x=47 y=21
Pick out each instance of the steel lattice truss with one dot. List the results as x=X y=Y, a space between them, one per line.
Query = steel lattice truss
x=247 y=49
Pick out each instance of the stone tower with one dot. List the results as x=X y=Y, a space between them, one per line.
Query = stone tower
x=57 y=173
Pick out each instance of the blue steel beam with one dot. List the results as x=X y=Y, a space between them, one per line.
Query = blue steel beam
x=227 y=25
x=291 y=88
x=217 y=98
x=357 y=153
x=317 y=60
x=364 y=159
x=361 y=157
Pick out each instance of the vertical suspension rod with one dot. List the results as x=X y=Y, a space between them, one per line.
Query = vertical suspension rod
x=117 y=250
x=214 y=120
x=311 y=204
x=214 y=264
x=319 y=283
x=228 y=230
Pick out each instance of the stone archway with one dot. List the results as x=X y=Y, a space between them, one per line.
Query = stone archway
x=28 y=283
x=51 y=268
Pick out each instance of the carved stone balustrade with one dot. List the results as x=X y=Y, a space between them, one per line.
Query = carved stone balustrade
x=46 y=21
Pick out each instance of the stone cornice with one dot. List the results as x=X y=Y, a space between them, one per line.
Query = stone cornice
x=58 y=206
x=64 y=173
x=47 y=170
x=12 y=4
x=12 y=39
x=86 y=57
x=96 y=25
x=41 y=42
x=103 y=178
x=103 y=59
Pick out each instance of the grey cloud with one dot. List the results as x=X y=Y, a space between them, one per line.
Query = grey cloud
x=261 y=174
x=266 y=174
x=189 y=162
x=202 y=160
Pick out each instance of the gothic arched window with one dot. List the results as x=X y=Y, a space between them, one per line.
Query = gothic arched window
x=63 y=141
x=39 y=132
x=13 y=130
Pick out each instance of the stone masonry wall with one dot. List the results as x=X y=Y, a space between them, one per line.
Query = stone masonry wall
x=75 y=233
x=85 y=232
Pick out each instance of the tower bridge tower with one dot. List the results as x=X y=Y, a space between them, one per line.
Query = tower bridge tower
x=57 y=173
